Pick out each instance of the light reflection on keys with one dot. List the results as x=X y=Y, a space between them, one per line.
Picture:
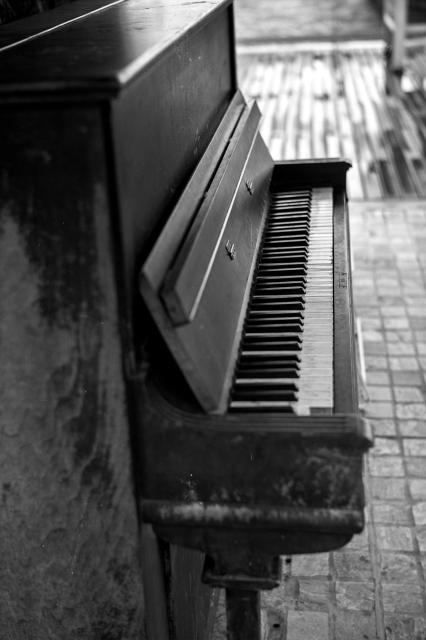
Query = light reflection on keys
x=286 y=353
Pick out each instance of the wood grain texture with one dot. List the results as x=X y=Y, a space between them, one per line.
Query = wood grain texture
x=68 y=556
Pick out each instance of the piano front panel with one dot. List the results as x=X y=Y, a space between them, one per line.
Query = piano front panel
x=161 y=125
x=205 y=346
x=265 y=470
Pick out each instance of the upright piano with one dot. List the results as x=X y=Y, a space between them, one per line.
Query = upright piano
x=223 y=279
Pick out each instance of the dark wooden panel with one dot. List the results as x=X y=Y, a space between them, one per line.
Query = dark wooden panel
x=205 y=348
x=162 y=125
x=105 y=51
x=184 y=284
x=69 y=542
x=191 y=602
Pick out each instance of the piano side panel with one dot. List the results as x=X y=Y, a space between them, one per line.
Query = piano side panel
x=69 y=555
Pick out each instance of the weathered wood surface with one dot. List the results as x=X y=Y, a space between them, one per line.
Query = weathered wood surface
x=68 y=544
x=330 y=101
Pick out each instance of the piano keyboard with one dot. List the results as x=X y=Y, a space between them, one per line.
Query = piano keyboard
x=285 y=361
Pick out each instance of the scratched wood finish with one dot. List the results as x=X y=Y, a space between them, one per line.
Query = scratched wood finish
x=329 y=101
x=69 y=541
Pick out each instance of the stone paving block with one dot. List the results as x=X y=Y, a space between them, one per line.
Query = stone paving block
x=398 y=336
x=314 y=595
x=417 y=488
x=403 y=363
x=396 y=323
x=418 y=324
x=419 y=513
x=401 y=628
x=380 y=410
x=371 y=335
x=416 y=311
x=376 y=363
x=388 y=488
x=391 y=512
x=386 y=447
x=396 y=538
x=420 y=533
x=409 y=378
x=377 y=377
x=420 y=336
x=379 y=393
x=358 y=542
x=422 y=362
x=416 y=467
x=392 y=310
x=408 y=394
x=401 y=349
x=398 y=567
x=311 y=565
x=414 y=411
x=303 y=625
x=351 y=625
x=421 y=348
x=385 y=466
x=356 y=596
x=402 y=598
x=384 y=427
x=371 y=323
x=353 y=565
x=412 y=428
x=414 y=447
x=375 y=348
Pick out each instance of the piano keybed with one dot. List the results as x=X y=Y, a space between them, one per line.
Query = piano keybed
x=286 y=351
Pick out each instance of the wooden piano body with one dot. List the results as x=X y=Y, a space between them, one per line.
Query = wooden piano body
x=261 y=478
x=108 y=109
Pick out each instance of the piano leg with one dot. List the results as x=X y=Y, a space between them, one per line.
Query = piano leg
x=243 y=614
x=243 y=573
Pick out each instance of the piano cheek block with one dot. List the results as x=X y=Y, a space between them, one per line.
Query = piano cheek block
x=275 y=489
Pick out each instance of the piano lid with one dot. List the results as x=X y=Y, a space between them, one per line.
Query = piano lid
x=101 y=49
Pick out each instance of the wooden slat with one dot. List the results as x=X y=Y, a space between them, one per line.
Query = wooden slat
x=330 y=103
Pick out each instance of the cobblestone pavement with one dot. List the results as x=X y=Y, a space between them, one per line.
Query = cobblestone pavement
x=374 y=588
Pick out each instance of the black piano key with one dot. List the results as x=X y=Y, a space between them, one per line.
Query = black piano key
x=274 y=345
x=262 y=407
x=274 y=325
x=280 y=305
x=264 y=394
x=268 y=371
x=283 y=362
x=280 y=290
x=277 y=271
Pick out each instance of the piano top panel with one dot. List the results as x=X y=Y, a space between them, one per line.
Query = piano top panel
x=102 y=51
